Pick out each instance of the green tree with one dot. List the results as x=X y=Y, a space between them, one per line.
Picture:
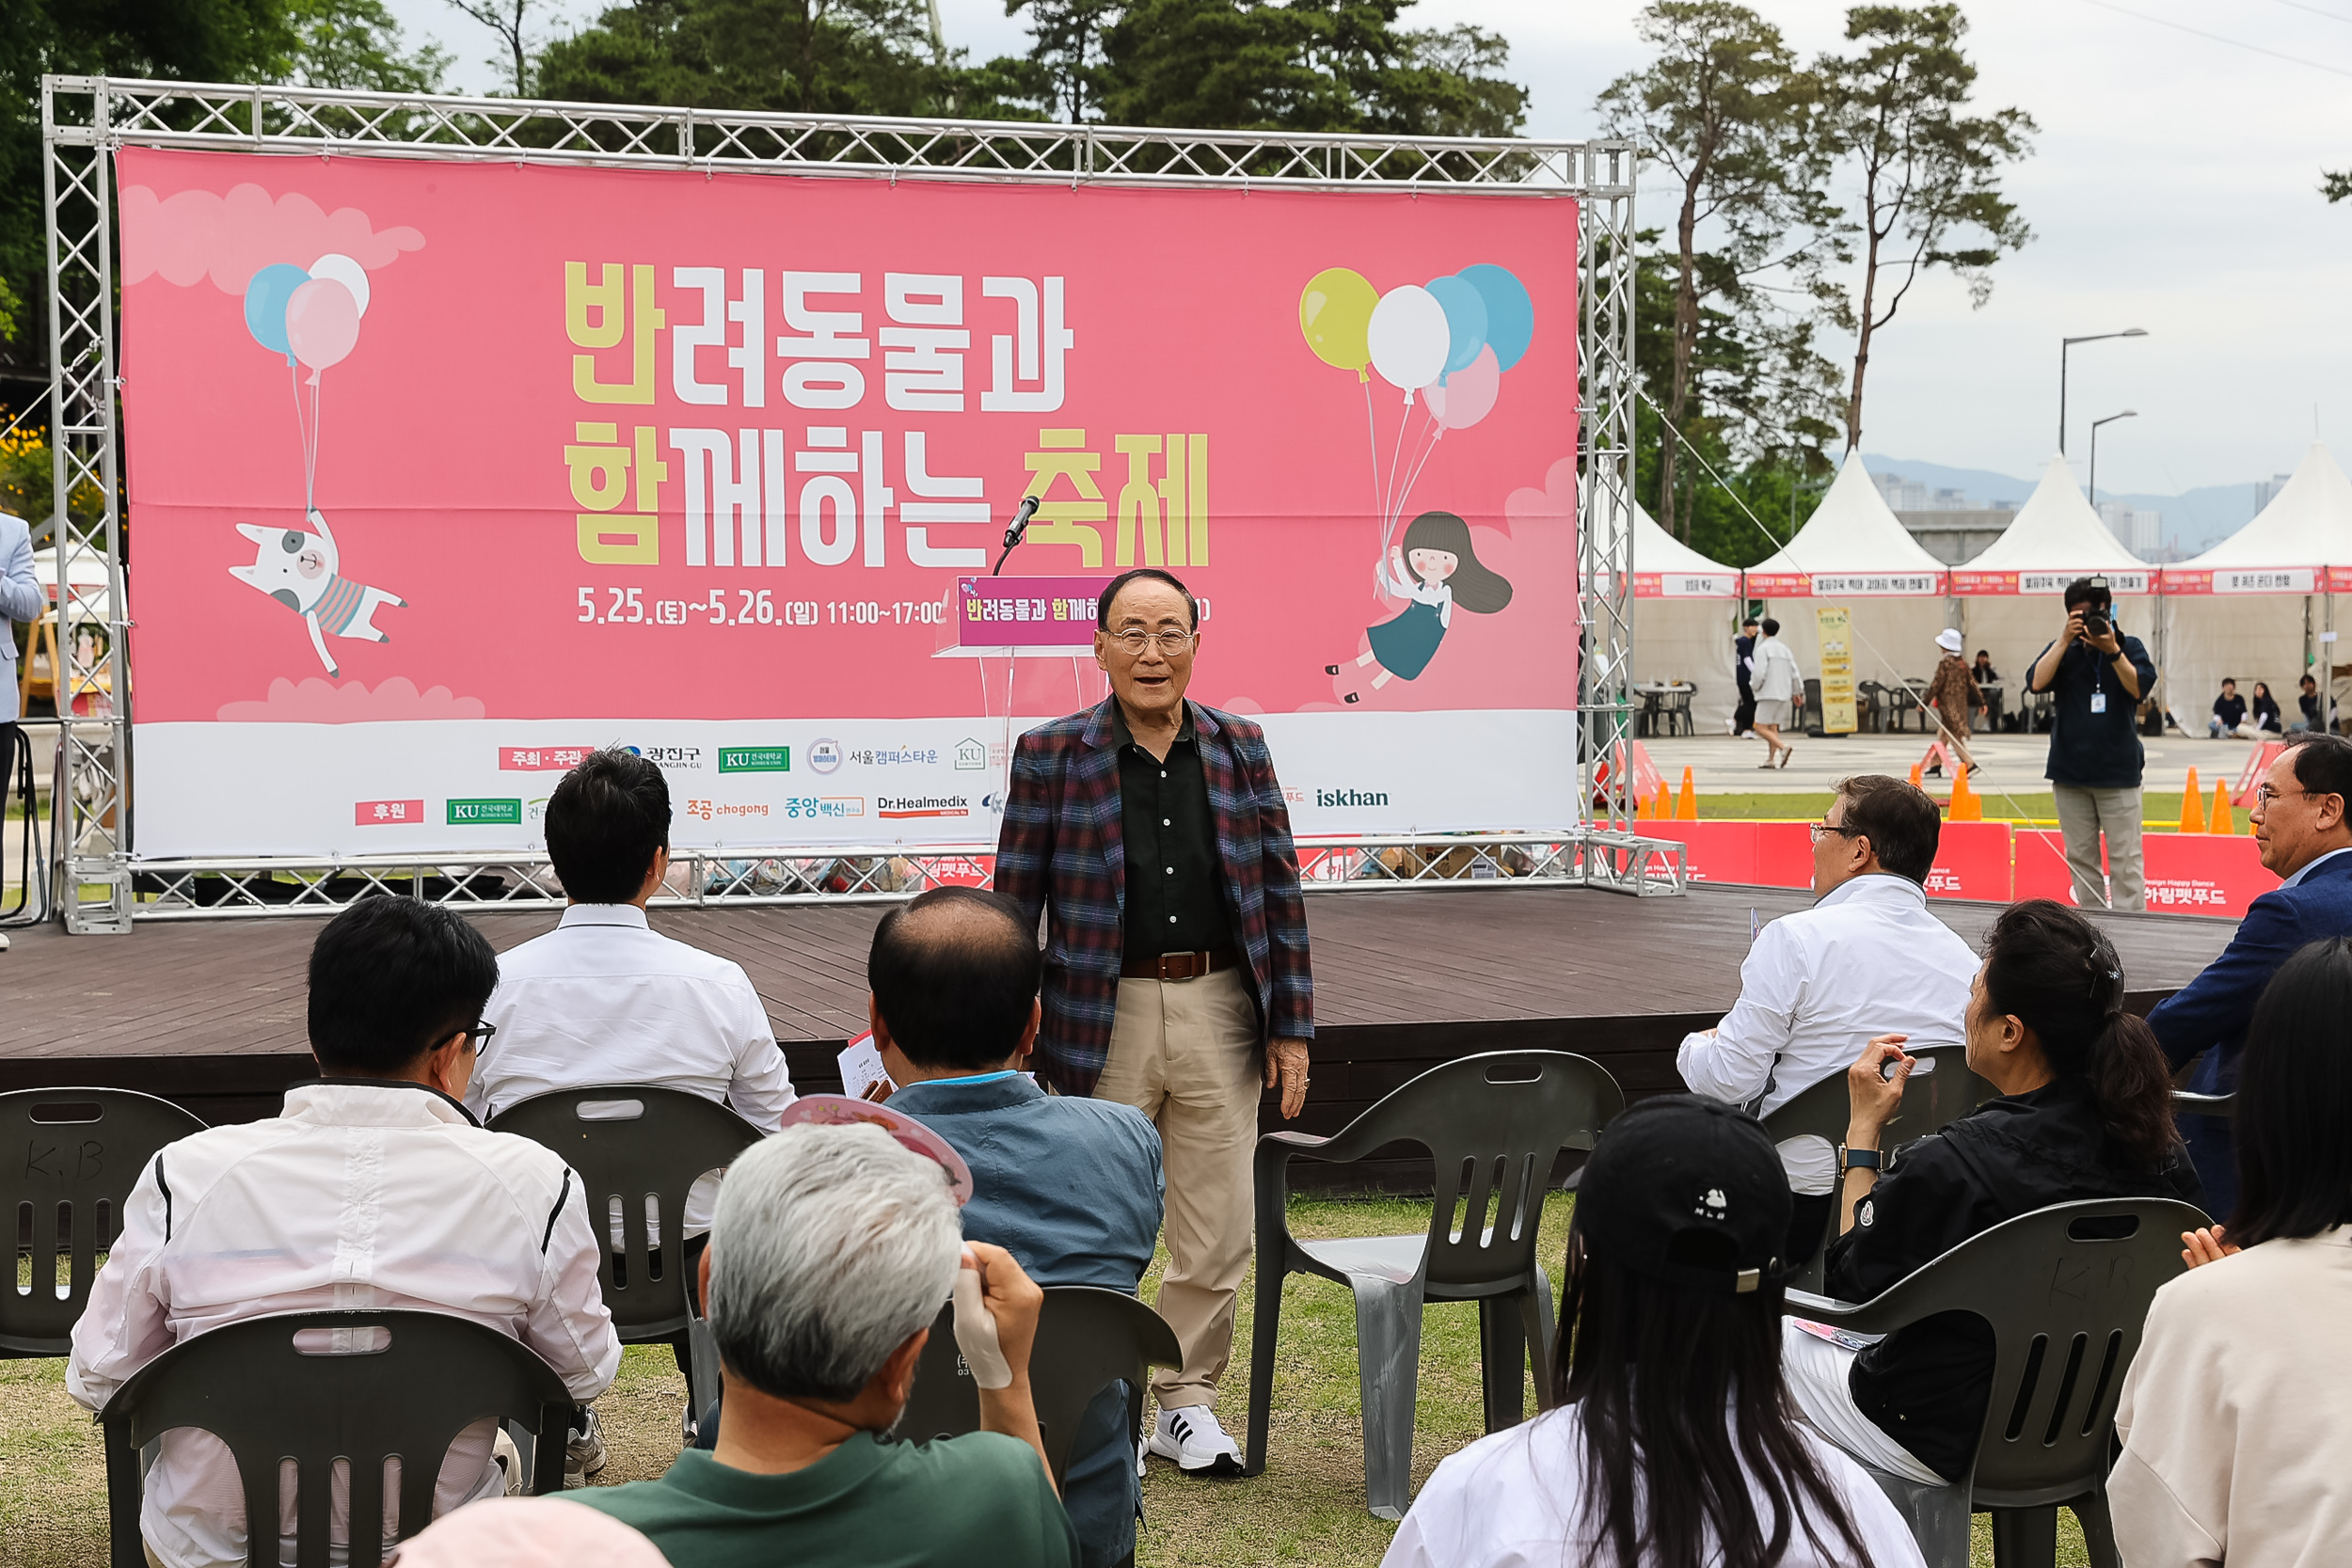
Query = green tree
x=1728 y=113
x=1930 y=172
x=357 y=45
x=1307 y=65
x=809 y=56
x=1066 y=54
x=512 y=21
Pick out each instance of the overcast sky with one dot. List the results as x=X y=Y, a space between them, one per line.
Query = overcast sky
x=2173 y=186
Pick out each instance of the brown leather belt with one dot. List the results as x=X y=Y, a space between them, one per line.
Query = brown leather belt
x=1177 y=966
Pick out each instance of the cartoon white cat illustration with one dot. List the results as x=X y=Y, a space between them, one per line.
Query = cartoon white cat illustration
x=299 y=569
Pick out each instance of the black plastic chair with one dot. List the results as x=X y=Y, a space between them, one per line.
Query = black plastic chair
x=1930 y=1102
x=1087 y=1337
x=248 y=1384
x=73 y=1155
x=2065 y=1291
x=1493 y=1124
x=627 y=1144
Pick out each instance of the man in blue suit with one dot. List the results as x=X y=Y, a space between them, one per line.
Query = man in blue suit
x=2300 y=821
x=21 y=600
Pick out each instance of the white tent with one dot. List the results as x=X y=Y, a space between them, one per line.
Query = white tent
x=1686 y=614
x=2009 y=594
x=1855 y=552
x=2258 y=606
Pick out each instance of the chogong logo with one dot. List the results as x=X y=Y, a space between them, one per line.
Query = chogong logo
x=1351 y=798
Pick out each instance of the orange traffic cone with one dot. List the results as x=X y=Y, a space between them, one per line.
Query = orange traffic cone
x=1640 y=808
x=2224 y=822
x=1662 y=807
x=2192 y=806
x=1687 y=809
x=1967 y=805
x=1916 y=769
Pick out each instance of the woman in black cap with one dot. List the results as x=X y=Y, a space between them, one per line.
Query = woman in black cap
x=1671 y=1443
x=2085 y=1110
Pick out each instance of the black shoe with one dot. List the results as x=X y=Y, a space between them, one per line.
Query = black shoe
x=1354 y=698
x=1330 y=668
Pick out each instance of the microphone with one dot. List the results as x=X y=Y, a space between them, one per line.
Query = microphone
x=1020 y=528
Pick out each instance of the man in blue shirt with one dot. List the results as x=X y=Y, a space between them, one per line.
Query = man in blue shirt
x=2099 y=675
x=1070 y=1186
x=2300 y=823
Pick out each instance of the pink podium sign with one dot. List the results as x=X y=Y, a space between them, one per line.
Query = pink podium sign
x=1028 y=612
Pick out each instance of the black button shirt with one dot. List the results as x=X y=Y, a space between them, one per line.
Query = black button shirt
x=1175 y=899
x=2097 y=750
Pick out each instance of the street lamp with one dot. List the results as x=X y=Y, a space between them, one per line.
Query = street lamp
x=2128 y=413
x=2065 y=343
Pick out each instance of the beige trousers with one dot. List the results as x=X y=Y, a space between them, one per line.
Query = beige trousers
x=1184 y=1053
x=2083 y=816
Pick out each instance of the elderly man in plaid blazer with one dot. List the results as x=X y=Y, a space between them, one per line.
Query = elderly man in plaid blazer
x=1151 y=833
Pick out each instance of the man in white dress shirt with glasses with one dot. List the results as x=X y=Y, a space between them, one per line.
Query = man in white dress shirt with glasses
x=1866 y=959
x=605 y=999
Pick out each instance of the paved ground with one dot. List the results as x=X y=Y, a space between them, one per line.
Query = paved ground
x=1722 y=766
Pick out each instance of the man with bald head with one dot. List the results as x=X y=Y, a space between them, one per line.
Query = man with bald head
x=1070 y=1186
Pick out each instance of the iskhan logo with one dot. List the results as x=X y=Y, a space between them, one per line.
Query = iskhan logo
x=1351 y=798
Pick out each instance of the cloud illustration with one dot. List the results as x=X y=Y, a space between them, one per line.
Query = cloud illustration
x=1555 y=503
x=186 y=238
x=322 y=702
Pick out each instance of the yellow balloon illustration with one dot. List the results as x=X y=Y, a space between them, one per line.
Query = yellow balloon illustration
x=1334 y=311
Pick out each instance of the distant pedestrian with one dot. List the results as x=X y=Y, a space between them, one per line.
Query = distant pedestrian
x=1776 y=688
x=1952 y=697
x=1743 y=670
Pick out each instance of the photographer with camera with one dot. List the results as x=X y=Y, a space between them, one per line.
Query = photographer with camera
x=2099 y=677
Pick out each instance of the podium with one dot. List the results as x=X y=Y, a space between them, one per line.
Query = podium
x=1031 y=644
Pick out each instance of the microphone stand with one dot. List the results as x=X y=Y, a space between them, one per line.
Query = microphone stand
x=1014 y=534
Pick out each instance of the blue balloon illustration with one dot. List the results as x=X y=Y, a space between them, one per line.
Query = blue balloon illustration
x=1464 y=320
x=1510 y=314
x=265 y=299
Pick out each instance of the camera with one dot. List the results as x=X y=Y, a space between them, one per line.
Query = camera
x=2097 y=620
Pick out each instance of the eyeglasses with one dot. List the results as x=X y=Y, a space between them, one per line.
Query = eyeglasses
x=2264 y=795
x=480 y=1034
x=1821 y=828
x=1165 y=641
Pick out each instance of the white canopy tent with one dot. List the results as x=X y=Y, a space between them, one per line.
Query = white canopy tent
x=2010 y=594
x=1686 y=615
x=1855 y=552
x=2233 y=609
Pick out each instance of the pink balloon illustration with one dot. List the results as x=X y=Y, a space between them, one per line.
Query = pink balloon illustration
x=1467 y=396
x=321 y=323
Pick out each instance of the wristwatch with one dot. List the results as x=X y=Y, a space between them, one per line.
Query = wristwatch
x=1860 y=1159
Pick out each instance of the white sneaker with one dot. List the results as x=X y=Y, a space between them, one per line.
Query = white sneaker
x=583 y=1453
x=1192 y=1437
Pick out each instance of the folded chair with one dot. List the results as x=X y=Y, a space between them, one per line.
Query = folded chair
x=1931 y=1100
x=270 y=1398
x=638 y=1151
x=73 y=1156
x=1087 y=1337
x=2065 y=1291
x=1494 y=1125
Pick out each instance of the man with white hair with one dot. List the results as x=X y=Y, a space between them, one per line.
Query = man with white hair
x=831 y=1252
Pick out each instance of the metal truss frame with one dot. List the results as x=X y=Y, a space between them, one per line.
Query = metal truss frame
x=84 y=119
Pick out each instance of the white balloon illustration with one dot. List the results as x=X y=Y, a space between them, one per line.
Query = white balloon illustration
x=1408 y=337
x=349 y=273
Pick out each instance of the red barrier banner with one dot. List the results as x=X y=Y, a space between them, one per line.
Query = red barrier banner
x=438 y=465
x=1972 y=861
x=2038 y=865
x=2204 y=873
x=1713 y=852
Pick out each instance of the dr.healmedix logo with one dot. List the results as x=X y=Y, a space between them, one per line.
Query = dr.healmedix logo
x=923 y=805
x=1351 y=798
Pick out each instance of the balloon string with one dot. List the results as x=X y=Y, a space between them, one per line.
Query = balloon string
x=1372 y=439
x=1438 y=434
x=1388 y=496
x=302 y=427
x=310 y=466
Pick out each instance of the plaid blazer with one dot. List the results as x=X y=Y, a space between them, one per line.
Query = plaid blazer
x=1062 y=853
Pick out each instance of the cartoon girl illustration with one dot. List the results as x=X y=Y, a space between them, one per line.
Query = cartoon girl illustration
x=1436 y=568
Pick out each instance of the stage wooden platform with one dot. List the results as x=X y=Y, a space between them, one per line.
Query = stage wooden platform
x=210 y=1013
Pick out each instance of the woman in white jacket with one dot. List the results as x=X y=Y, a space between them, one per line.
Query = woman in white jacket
x=1776 y=688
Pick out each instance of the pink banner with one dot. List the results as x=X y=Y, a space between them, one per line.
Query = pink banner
x=525 y=458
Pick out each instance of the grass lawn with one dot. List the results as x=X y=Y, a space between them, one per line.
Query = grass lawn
x=1308 y=1508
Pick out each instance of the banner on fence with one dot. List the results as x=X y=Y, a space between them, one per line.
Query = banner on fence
x=444 y=473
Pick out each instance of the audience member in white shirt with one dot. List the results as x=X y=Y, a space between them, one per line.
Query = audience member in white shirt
x=605 y=999
x=1670 y=1443
x=373 y=1189
x=1866 y=959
